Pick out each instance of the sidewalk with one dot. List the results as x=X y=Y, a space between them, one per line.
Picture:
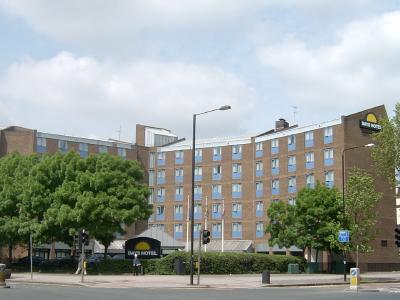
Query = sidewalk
x=206 y=281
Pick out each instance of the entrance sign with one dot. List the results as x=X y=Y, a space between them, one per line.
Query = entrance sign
x=344 y=236
x=370 y=122
x=144 y=247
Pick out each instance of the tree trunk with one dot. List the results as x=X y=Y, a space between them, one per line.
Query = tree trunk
x=105 y=251
x=10 y=252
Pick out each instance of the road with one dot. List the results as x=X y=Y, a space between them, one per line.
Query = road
x=47 y=292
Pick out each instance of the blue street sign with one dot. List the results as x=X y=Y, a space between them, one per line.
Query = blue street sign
x=344 y=236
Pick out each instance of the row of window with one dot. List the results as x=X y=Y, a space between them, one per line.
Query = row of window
x=216 y=230
x=237 y=188
x=83 y=148
x=237 y=168
x=237 y=149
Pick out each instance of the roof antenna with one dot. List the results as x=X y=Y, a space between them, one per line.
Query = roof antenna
x=294 y=113
x=119 y=133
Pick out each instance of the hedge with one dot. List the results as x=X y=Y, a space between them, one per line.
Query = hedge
x=212 y=263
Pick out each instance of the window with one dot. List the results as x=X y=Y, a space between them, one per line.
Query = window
x=217 y=169
x=178 y=231
x=291 y=163
x=122 y=152
x=259 y=186
x=161 y=173
x=41 y=145
x=236 y=168
x=259 y=146
x=178 y=209
x=259 y=166
x=197 y=208
x=161 y=192
x=178 y=227
x=236 y=149
x=275 y=200
x=236 y=230
x=198 y=171
x=237 y=187
x=217 y=188
x=328 y=135
x=259 y=229
x=179 y=190
x=291 y=140
x=179 y=172
x=236 y=207
x=160 y=210
x=309 y=139
x=197 y=227
x=63 y=146
x=216 y=229
x=199 y=152
x=152 y=158
x=179 y=154
x=310 y=157
x=259 y=206
x=310 y=181
x=151 y=196
x=329 y=179
x=292 y=201
x=275 y=187
x=275 y=163
x=384 y=243
x=216 y=208
x=104 y=149
x=328 y=153
x=83 y=147
x=291 y=184
x=161 y=155
x=198 y=189
x=151 y=177
x=217 y=151
x=275 y=143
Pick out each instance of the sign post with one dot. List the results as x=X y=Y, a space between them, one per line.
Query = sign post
x=344 y=237
x=354 y=278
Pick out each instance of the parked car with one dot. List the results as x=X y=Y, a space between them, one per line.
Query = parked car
x=95 y=258
x=119 y=256
x=37 y=261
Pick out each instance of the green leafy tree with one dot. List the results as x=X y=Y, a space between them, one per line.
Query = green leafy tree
x=318 y=217
x=361 y=201
x=281 y=226
x=14 y=177
x=386 y=153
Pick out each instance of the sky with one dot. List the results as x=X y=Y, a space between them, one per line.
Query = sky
x=96 y=68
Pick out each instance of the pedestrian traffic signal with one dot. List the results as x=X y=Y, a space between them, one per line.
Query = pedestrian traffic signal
x=206 y=236
x=397 y=236
x=83 y=238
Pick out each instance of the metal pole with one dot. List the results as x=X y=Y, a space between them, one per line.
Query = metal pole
x=344 y=215
x=83 y=262
x=30 y=254
x=187 y=223
x=199 y=261
x=205 y=221
x=223 y=225
x=192 y=203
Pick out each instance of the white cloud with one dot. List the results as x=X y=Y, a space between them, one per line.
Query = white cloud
x=362 y=69
x=83 y=96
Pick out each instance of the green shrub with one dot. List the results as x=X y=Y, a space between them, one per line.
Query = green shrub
x=212 y=263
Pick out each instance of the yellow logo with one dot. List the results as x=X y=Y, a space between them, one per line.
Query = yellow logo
x=142 y=246
x=372 y=118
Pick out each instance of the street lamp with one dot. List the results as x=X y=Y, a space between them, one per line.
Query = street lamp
x=343 y=201
x=225 y=107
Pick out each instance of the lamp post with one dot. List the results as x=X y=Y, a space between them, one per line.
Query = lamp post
x=225 y=107
x=343 y=200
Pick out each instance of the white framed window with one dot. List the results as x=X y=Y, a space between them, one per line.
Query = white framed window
x=259 y=206
x=275 y=200
x=197 y=227
x=160 y=210
x=198 y=152
x=179 y=209
x=179 y=172
x=328 y=131
x=217 y=169
x=217 y=188
x=179 y=154
x=236 y=149
x=310 y=179
x=178 y=228
x=62 y=145
x=259 y=146
x=198 y=189
x=41 y=141
x=291 y=140
x=310 y=157
x=309 y=136
x=198 y=171
x=275 y=183
x=83 y=147
x=161 y=155
x=151 y=196
x=328 y=153
x=329 y=176
x=236 y=187
x=151 y=177
x=216 y=227
x=292 y=201
x=236 y=207
x=236 y=168
x=259 y=166
x=275 y=143
x=216 y=208
x=217 y=151
x=275 y=163
x=179 y=190
x=197 y=208
x=161 y=192
x=259 y=186
x=292 y=160
x=236 y=226
x=161 y=173
x=292 y=181
x=260 y=227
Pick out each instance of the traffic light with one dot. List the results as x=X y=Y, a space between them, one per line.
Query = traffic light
x=83 y=238
x=206 y=236
x=397 y=236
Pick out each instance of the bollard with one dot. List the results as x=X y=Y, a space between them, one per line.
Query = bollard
x=266 y=277
x=2 y=275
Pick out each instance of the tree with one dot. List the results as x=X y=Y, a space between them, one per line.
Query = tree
x=281 y=226
x=386 y=153
x=14 y=177
x=318 y=217
x=361 y=201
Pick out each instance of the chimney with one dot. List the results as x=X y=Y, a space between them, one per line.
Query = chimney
x=281 y=124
